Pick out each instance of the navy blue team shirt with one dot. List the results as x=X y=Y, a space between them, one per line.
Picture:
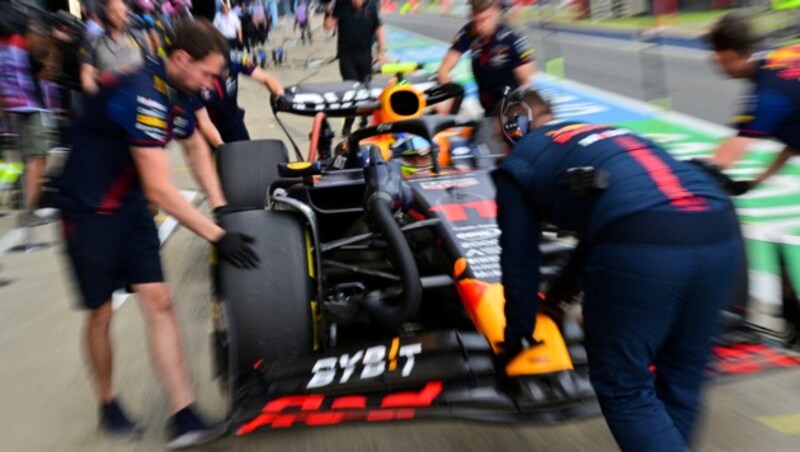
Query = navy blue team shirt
x=773 y=108
x=136 y=110
x=221 y=101
x=493 y=60
x=643 y=177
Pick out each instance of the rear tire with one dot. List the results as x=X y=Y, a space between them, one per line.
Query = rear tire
x=267 y=310
x=247 y=169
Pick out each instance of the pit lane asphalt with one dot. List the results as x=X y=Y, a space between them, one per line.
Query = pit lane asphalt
x=47 y=403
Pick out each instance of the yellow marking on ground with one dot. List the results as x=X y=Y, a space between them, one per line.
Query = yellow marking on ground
x=788 y=424
x=393 y=353
x=160 y=218
x=181 y=169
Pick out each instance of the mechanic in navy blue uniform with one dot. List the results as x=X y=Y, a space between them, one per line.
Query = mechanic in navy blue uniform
x=219 y=117
x=500 y=56
x=118 y=164
x=772 y=110
x=662 y=251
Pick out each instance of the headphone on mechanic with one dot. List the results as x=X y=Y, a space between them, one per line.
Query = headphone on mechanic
x=516 y=126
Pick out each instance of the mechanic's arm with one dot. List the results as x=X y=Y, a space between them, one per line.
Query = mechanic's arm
x=381 y=36
x=207 y=128
x=448 y=63
x=239 y=35
x=270 y=81
x=524 y=73
x=775 y=166
x=731 y=150
x=519 y=260
x=330 y=21
x=89 y=79
x=153 y=169
x=198 y=155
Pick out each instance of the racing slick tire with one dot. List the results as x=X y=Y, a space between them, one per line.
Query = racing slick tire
x=267 y=310
x=247 y=169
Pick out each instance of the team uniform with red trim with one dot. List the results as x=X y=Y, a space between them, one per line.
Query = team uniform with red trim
x=662 y=255
x=222 y=101
x=111 y=240
x=773 y=108
x=494 y=60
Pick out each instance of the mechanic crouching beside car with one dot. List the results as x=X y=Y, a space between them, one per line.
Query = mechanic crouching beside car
x=660 y=253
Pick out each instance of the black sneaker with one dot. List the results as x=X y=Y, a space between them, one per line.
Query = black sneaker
x=114 y=422
x=187 y=429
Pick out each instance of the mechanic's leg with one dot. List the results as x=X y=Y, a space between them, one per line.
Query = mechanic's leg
x=97 y=337
x=349 y=71
x=34 y=177
x=165 y=342
x=681 y=363
x=631 y=299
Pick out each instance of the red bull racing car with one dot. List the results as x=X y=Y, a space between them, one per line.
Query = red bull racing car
x=378 y=295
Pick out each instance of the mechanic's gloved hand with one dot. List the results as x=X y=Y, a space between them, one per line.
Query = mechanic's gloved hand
x=739 y=187
x=513 y=346
x=732 y=187
x=281 y=103
x=221 y=211
x=234 y=247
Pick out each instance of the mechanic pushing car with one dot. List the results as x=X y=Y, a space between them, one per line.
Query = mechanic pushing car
x=118 y=162
x=219 y=116
x=661 y=252
x=772 y=109
x=500 y=56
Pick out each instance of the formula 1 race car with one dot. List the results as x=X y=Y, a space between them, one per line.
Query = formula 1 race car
x=378 y=293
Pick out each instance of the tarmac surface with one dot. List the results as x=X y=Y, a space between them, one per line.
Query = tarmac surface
x=47 y=402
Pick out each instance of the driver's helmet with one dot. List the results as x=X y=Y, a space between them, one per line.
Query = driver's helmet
x=414 y=154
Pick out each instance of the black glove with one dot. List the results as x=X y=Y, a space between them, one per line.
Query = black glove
x=509 y=350
x=732 y=187
x=221 y=211
x=281 y=103
x=233 y=247
x=739 y=187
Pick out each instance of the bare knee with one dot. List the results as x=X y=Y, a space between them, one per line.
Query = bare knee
x=100 y=318
x=155 y=301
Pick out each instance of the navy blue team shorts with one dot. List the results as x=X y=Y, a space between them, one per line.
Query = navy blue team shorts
x=110 y=252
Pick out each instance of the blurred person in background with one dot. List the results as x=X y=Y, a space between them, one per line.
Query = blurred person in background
x=358 y=26
x=772 y=110
x=118 y=164
x=119 y=49
x=148 y=21
x=29 y=62
x=301 y=20
x=501 y=57
x=230 y=26
x=94 y=29
x=260 y=20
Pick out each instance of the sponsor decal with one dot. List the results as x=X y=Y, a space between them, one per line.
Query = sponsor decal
x=151 y=121
x=480 y=234
x=159 y=84
x=450 y=183
x=364 y=364
x=308 y=409
x=151 y=103
x=455 y=213
x=155 y=133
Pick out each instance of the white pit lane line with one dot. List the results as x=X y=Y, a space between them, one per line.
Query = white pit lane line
x=165 y=230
